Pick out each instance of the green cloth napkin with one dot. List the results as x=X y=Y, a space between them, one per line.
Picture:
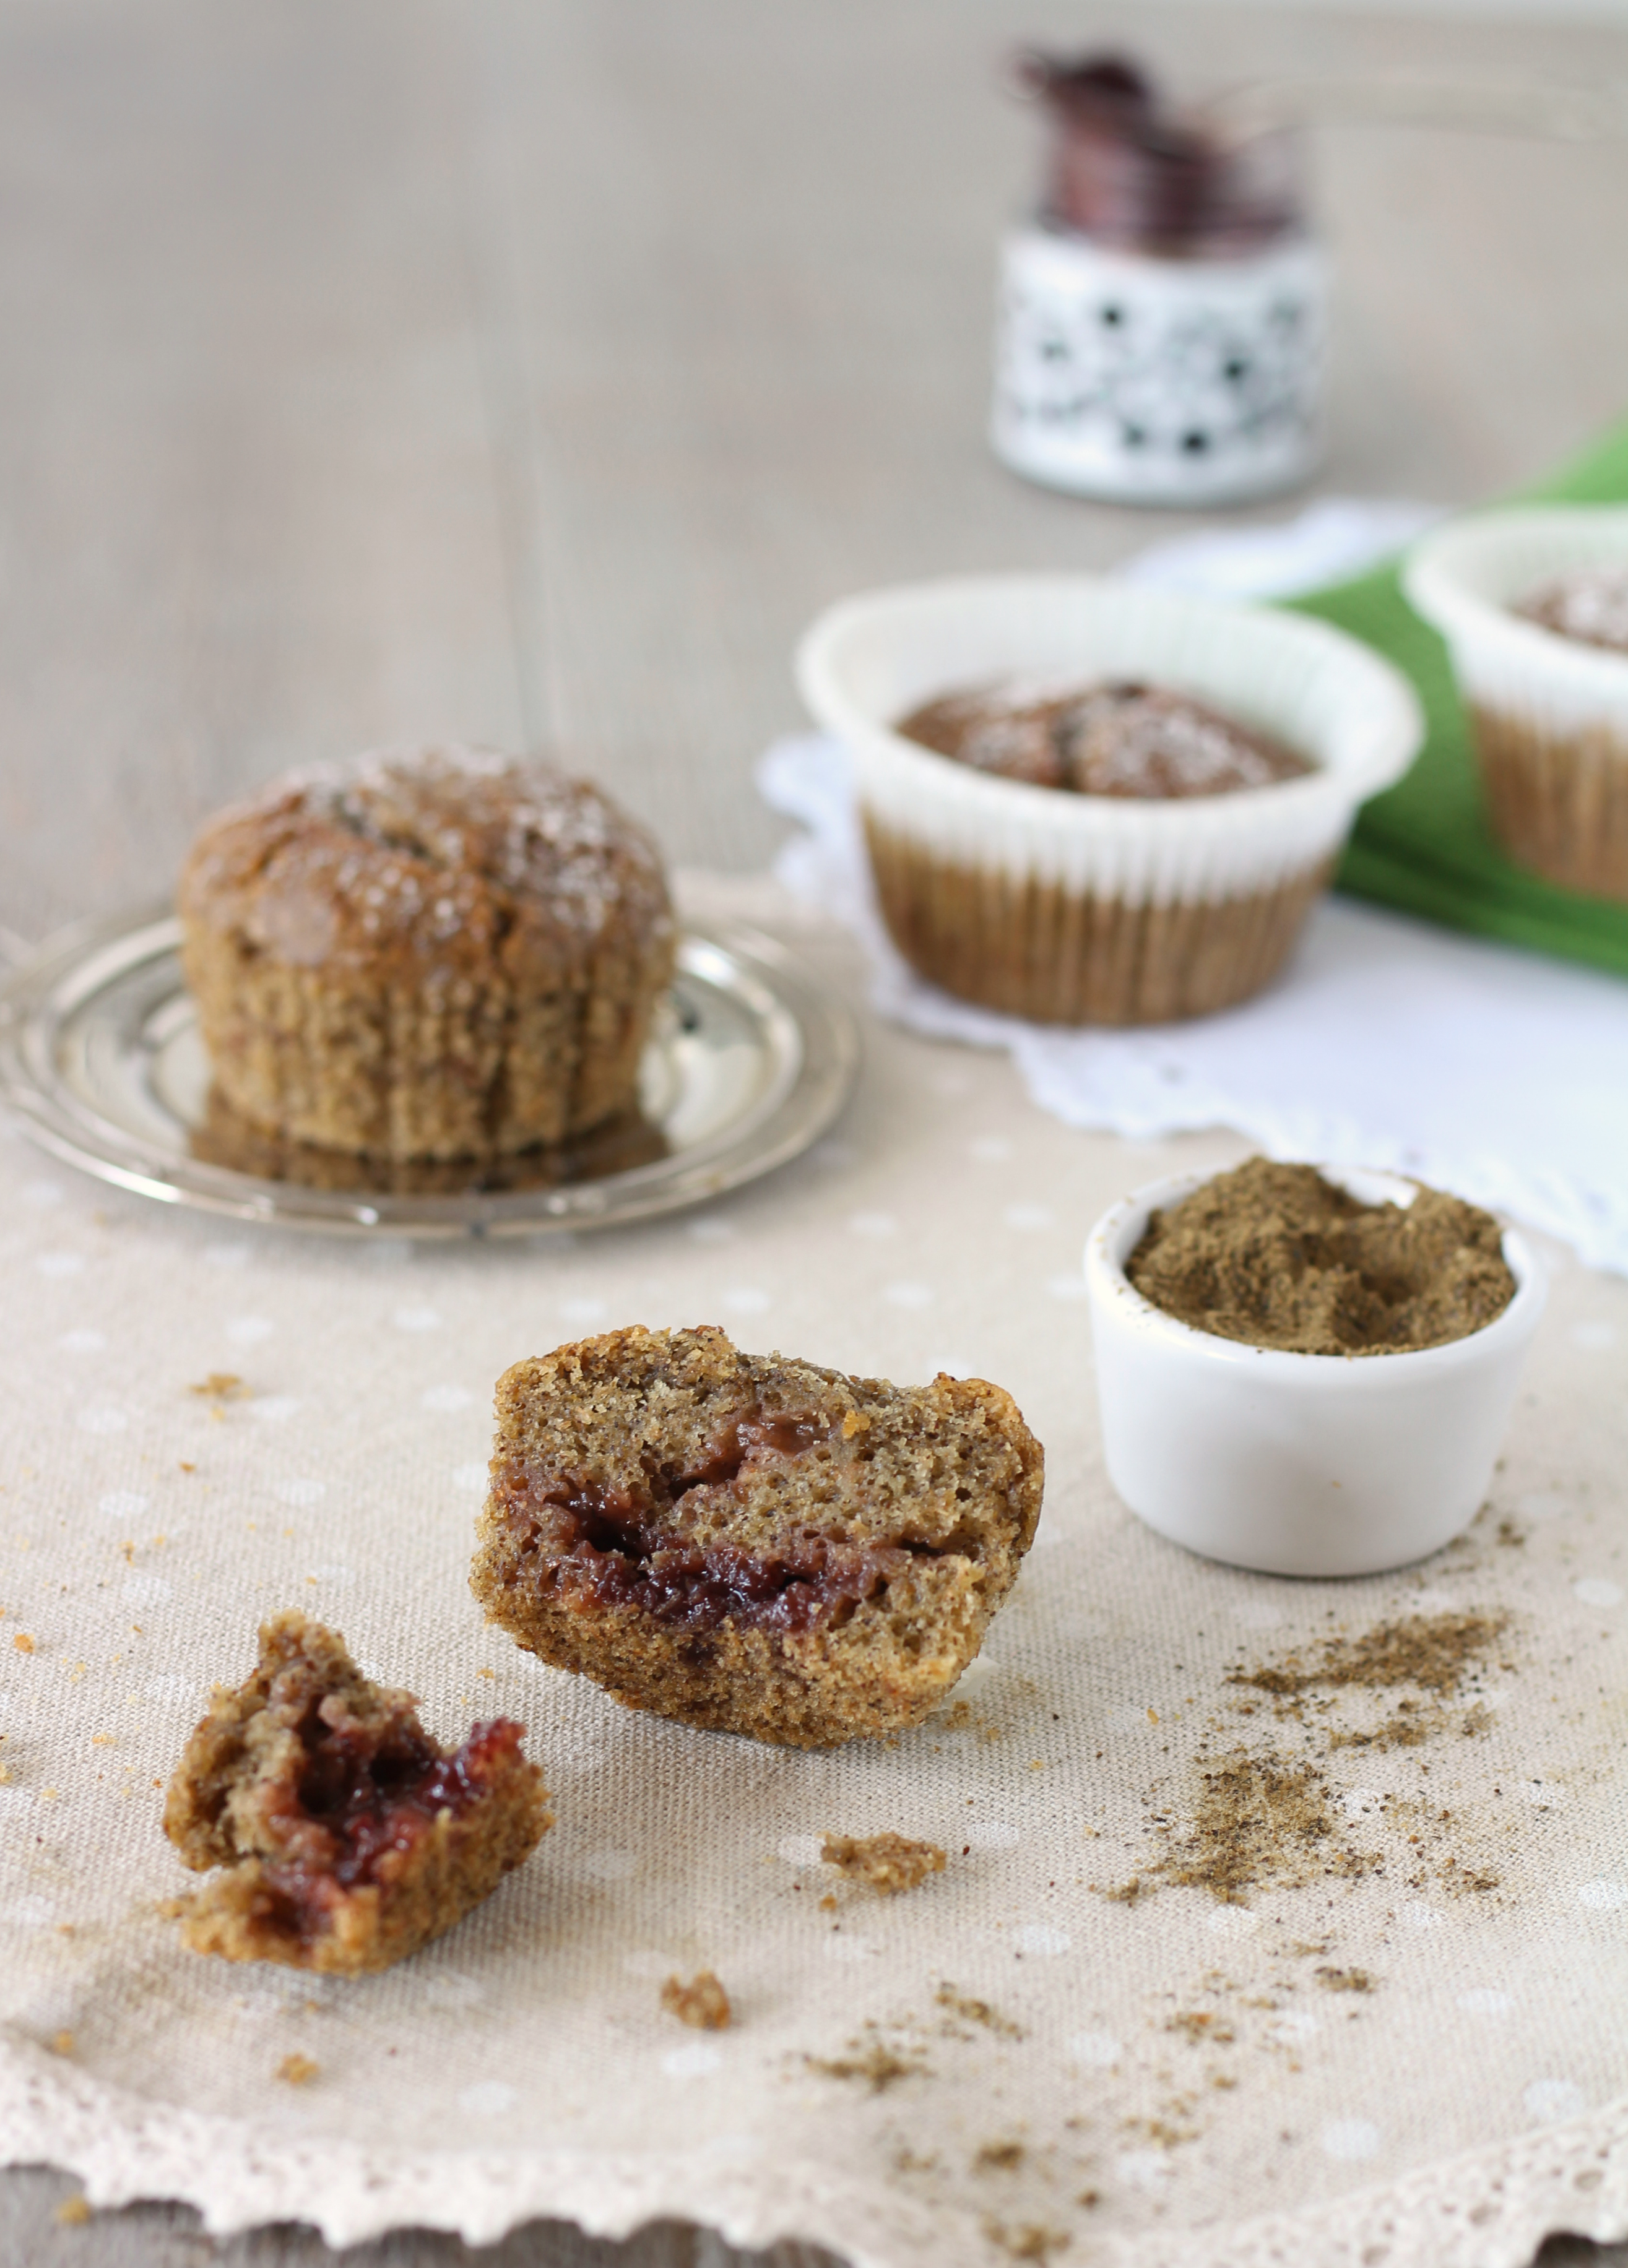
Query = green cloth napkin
x=1424 y=844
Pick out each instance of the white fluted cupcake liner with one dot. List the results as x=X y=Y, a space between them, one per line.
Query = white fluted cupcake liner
x=1549 y=715
x=1094 y=909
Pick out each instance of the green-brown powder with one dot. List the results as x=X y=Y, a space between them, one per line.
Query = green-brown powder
x=1275 y=1256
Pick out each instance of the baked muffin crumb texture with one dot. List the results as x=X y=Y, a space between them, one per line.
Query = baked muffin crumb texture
x=345 y=1837
x=752 y=1543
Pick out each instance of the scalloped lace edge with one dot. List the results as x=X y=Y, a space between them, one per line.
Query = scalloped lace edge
x=1488 y=2208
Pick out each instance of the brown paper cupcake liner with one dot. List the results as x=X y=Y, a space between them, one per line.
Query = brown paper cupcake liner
x=1033 y=948
x=1557 y=800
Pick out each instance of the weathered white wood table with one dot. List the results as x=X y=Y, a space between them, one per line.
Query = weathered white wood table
x=529 y=371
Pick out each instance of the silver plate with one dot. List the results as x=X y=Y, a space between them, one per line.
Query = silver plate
x=101 y=1059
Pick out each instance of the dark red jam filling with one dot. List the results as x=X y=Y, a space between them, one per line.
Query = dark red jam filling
x=362 y=1796
x=627 y=1547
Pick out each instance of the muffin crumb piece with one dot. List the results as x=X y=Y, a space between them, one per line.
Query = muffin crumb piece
x=298 y=2069
x=703 y=2003
x=886 y=1863
x=73 y=2211
x=1344 y=1980
x=872 y=2063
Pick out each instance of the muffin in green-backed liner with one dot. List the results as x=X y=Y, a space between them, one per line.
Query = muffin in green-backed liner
x=1070 y=907
x=1534 y=608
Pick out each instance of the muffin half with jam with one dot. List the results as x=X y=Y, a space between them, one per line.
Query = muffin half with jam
x=751 y=1543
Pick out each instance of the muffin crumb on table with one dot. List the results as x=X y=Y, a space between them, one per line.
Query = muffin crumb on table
x=703 y=2003
x=886 y=1863
x=752 y=1543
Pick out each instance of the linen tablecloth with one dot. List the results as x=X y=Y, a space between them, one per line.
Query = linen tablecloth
x=1380 y=2024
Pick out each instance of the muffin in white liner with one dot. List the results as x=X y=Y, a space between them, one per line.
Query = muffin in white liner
x=1101 y=910
x=1548 y=714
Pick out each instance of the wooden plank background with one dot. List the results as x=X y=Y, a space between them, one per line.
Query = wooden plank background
x=530 y=371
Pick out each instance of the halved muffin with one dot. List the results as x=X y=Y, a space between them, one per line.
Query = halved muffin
x=752 y=1543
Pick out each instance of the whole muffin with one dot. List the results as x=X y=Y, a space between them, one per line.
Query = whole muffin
x=1143 y=793
x=1533 y=604
x=432 y=953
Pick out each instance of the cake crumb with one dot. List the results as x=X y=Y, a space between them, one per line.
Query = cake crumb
x=298 y=2070
x=73 y=2212
x=1031 y=2240
x=219 y=1385
x=1344 y=1980
x=1201 y=2027
x=976 y=2012
x=23 y=1642
x=703 y=2003
x=886 y=1863
x=999 y=2158
x=872 y=2064
x=62 y=2044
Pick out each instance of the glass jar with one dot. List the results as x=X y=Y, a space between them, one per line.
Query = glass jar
x=1162 y=319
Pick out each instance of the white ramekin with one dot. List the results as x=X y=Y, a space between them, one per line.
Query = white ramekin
x=1297 y=1464
x=1044 y=874
x=1549 y=715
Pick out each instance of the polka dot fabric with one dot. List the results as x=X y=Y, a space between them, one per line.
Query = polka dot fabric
x=1233 y=1953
